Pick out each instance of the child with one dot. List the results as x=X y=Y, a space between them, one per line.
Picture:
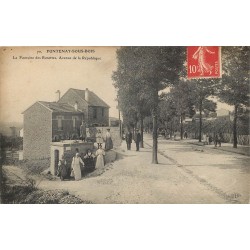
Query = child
x=99 y=138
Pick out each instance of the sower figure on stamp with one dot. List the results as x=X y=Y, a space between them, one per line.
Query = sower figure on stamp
x=200 y=55
x=128 y=138
x=137 y=139
x=83 y=131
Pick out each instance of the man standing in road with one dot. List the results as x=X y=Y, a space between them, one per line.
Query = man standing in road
x=128 y=138
x=137 y=139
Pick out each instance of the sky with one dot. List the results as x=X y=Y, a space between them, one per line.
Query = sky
x=25 y=79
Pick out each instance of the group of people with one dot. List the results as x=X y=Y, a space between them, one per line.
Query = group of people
x=108 y=140
x=208 y=139
x=79 y=166
x=137 y=139
x=84 y=134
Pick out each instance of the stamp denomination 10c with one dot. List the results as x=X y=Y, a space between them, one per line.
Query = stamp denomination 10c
x=203 y=62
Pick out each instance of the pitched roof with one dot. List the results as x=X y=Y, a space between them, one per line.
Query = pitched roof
x=94 y=100
x=59 y=107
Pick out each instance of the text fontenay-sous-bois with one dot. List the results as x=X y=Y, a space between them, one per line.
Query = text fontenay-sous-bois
x=76 y=55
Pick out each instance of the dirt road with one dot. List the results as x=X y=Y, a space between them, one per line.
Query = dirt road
x=185 y=174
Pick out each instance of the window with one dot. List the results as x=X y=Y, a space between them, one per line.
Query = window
x=94 y=113
x=102 y=112
x=59 y=122
x=74 y=118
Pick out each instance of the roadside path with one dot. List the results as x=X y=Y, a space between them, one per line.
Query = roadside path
x=225 y=173
x=133 y=179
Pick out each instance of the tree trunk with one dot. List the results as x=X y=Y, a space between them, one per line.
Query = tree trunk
x=1 y=182
x=235 y=142
x=1 y=187
x=1 y=167
x=142 y=145
x=133 y=132
x=200 y=128
x=181 y=128
x=154 y=156
x=171 y=129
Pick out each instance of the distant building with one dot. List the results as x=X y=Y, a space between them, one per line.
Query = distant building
x=222 y=112
x=114 y=122
x=188 y=120
x=45 y=122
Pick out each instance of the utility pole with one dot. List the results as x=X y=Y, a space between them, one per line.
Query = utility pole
x=119 y=113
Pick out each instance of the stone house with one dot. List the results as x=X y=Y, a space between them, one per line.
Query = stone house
x=96 y=111
x=46 y=122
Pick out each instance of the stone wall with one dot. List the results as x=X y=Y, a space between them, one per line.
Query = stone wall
x=228 y=138
x=242 y=139
x=68 y=149
x=37 y=132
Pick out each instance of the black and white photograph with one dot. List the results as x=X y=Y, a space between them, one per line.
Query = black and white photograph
x=125 y=125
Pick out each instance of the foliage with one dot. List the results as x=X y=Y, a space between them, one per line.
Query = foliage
x=234 y=88
x=141 y=73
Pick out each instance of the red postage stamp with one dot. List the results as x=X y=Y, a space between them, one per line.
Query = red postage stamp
x=203 y=62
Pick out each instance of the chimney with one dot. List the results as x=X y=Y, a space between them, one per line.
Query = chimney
x=59 y=94
x=76 y=106
x=86 y=95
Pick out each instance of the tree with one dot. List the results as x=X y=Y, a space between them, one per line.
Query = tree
x=183 y=101
x=234 y=89
x=2 y=158
x=151 y=68
x=201 y=90
x=167 y=112
x=133 y=102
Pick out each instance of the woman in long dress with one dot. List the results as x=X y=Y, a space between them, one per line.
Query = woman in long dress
x=76 y=166
x=89 y=161
x=62 y=168
x=100 y=157
x=108 y=141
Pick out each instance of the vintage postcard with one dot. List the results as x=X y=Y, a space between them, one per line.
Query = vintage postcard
x=124 y=125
